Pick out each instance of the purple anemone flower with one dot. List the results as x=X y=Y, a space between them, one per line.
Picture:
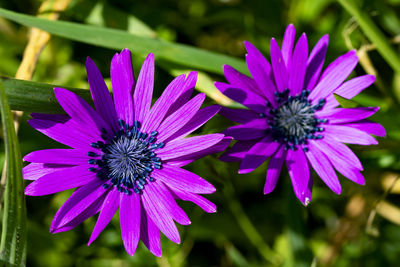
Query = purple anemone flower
x=293 y=116
x=125 y=154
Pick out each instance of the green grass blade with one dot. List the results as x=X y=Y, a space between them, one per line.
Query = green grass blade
x=183 y=55
x=373 y=33
x=13 y=236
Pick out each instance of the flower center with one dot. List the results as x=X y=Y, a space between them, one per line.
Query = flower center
x=294 y=121
x=128 y=158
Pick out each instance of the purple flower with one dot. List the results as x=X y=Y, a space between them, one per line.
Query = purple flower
x=293 y=116
x=125 y=154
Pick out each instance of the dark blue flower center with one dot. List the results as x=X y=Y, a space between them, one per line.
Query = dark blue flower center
x=294 y=121
x=128 y=158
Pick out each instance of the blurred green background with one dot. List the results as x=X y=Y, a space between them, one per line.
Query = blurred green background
x=360 y=227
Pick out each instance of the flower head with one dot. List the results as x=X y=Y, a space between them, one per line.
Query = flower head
x=293 y=116
x=125 y=154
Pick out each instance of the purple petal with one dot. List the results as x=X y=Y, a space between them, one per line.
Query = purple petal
x=123 y=83
x=257 y=154
x=129 y=213
x=340 y=162
x=77 y=203
x=179 y=118
x=80 y=111
x=220 y=146
x=238 y=150
x=298 y=66
x=176 y=212
x=252 y=130
x=101 y=96
x=34 y=171
x=343 y=115
x=202 y=116
x=315 y=62
x=159 y=213
x=144 y=89
x=334 y=75
x=239 y=115
x=58 y=156
x=110 y=206
x=260 y=69
x=65 y=132
x=187 y=89
x=274 y=170
x=182 y=147
x=239 y=80
x=369 y=127
x=200 y=201
x=353 y=87
x=287 y=43
x=183 y=180
x=349 y=135
x=60 y=180
x=323 y=168
x=278 y=67
x=245 y=97
x=300 y=175
x=157 y=113
x=339 y=151
x=150 y=234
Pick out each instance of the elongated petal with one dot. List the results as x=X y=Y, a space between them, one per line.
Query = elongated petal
x=183 y=180
x=130 y=221
x=159 y=213
x=369 y=127
x=349 y=135
x=300 y=175
x=60 y=181
x=188 y=88
x=239 y=115
x=179 y=118
x=254 y=129
x=150 y=234
x=260 y=69
x=64 y=132
x=334 y=75
x=238 y=151
x=59 y=156
x=274 y=170
x=101 y=96
x=344 y=115
x=144 y=88
x=160 y=108
x=278 y=67
x=245 y=97
x=77 y=203
x=110 y=206
x=315 y=62
x=239 y=80
x=123 y=84
x=181 y=147
x=34 y=171
x=323 y=168
x=200 y=201
x=287 y=43
x=298 y=66
x=257 y=154
x=202 y=116
x=353 y=87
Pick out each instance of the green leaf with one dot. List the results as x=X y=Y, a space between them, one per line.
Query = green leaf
x=346 y=103
x=183 y=55
x=35 y=97
x=373 y=33
x=13 y=236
